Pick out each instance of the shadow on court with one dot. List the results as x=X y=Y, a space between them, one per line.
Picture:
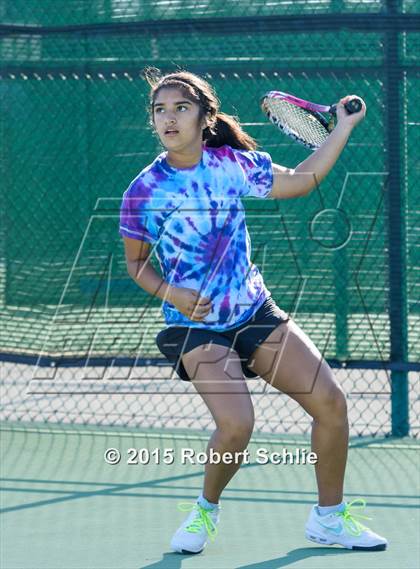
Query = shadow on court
x=175 y=560
x=294 y=556
x=169 y=560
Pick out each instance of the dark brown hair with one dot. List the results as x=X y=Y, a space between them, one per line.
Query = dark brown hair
x=223 y=129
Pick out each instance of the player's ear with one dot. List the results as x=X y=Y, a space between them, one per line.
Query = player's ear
x=204 y=122
x=208 y=121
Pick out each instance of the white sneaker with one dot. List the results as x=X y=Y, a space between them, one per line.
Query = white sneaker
x=343 y=529
x=200 y=525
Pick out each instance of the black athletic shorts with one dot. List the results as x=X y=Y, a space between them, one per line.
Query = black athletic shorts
x=176 y=341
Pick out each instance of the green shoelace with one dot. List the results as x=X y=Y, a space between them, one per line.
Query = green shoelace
x=203 y=519
x=353 y=526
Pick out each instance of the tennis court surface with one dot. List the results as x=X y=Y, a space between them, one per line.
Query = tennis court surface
x=68 y=508
x=80 y=370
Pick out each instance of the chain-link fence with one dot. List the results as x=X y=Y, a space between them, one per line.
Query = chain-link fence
x=75 y=132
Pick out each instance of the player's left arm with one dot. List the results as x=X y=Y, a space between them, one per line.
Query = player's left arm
x=294 y=183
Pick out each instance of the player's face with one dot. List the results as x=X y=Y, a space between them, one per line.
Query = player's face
x=176 y=121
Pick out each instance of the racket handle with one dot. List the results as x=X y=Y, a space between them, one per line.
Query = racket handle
x=352 y=106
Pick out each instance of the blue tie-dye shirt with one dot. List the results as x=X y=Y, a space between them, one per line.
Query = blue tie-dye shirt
x=195 y=220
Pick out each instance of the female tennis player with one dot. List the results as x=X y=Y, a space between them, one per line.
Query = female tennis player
x=222 y=323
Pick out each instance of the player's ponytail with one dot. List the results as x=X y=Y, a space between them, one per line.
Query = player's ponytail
x=223 y=129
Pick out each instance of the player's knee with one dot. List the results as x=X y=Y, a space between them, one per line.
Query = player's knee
x=236 y=433
x=332 y=406
x=335 y=406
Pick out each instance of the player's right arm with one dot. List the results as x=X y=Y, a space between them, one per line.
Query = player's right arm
x=140 y=269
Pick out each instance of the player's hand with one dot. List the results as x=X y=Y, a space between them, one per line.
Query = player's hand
x=190 y=303
x=346 y=119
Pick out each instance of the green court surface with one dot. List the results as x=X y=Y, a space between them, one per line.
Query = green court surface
x=64 y=507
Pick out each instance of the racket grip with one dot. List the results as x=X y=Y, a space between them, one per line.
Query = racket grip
x=352 y=106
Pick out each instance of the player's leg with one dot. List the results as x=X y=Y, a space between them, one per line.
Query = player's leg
x=291 y=363
x=217 y=376
x=216 y=373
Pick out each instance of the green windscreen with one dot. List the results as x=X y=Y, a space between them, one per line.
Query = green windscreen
x=75 y=132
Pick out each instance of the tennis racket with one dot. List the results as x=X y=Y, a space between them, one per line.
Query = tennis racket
x=302 y=120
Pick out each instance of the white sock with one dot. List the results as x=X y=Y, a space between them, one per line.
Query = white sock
x=325 y=510
x=205 y=503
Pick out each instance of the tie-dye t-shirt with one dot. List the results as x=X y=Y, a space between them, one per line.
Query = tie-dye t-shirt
x=195 y=220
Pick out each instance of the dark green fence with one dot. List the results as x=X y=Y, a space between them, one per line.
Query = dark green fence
x=75 y=132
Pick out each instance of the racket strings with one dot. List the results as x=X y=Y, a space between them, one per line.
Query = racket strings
x=297 y=122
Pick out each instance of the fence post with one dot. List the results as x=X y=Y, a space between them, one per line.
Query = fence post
x=342 y=299
x=397 y=255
